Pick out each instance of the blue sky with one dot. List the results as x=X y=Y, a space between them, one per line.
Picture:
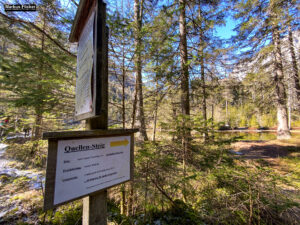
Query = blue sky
x=227 y=30
x=221 y=31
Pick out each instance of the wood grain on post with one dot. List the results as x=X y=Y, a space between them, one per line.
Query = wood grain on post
x=50 y=175
x=95 y=209
x=95 y=206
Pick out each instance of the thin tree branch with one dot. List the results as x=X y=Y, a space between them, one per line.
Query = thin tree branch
x=162 y=191
x=40 y=30
x=75 y=3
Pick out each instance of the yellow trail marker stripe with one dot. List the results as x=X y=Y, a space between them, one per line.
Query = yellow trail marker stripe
x=119 y=143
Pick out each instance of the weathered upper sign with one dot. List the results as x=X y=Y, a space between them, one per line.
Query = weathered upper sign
x=90 y=31
x=85 y=63
x=82 y=14
x=84 y=162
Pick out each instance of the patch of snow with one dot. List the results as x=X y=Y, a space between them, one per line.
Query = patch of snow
x=36 y=181
x=3 y=147
x=3 y=161
x=15 y=136
x=4 y=212
x=157 y=222
x=36 y=178
x=236 y=153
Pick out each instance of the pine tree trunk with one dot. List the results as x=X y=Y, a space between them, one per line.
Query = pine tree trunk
x=226 y=113
x=201 y=52
x=38 y=110
x=130 y=199
x=155 y=113
x=294 y=66
x=131 y=183
x=123 y=197
x=155 y=120
x=134 y=106
x=212 y=113
x=38 y=125
x=185 y=104
x=174 y=116
x=123 y=187
x=123 y=89
x=138 y=14
x=204 y=108
x=146 y=191
x=282 y=117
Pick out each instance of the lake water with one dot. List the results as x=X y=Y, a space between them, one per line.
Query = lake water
x=252 y=135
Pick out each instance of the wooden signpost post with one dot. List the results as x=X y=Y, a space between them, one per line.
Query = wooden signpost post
x=86 y=163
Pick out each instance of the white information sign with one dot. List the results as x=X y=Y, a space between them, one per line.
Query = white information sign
x=85 y=54
x=88 y=165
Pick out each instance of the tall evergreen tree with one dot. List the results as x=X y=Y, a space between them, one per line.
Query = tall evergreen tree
x=261 y=24
x=184 y=86
x=206 y=16
x=138 y=23
x=35 y=70
x=295 y=70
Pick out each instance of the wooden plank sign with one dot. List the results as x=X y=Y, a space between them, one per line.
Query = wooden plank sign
x=90 y=32
x=84 y=162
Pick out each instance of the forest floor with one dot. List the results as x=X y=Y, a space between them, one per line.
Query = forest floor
x=269 y=150
x=21 y=192
x=282 y=156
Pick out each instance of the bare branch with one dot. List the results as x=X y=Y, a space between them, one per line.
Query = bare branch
x=75 y=3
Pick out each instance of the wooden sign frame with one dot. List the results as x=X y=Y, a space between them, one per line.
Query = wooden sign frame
x=99 y=80
x=54 y=137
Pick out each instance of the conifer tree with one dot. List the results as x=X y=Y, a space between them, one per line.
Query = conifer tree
x=260 y=23
x=184 y=86
x=206 y=16
x=38 y=64
x=138 y=23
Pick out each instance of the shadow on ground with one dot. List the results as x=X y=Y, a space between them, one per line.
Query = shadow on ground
x=264 y=149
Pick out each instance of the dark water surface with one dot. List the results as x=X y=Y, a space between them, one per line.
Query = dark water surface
x=252 y=135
